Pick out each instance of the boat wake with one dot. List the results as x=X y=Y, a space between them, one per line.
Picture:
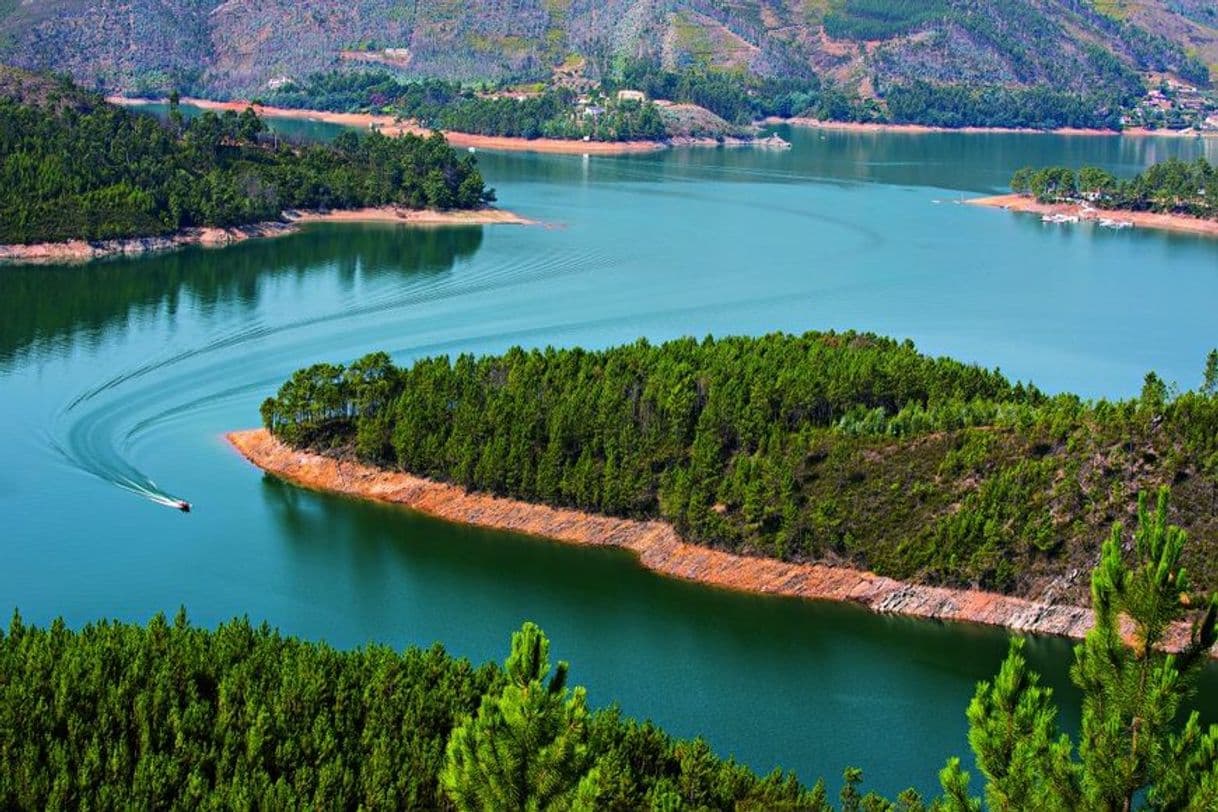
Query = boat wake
x=104 y=427
x=118 y=473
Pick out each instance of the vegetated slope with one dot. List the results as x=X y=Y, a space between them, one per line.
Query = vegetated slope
x=1192 y=23
x=75 y=168
x=110 y=44
x=41 y=90
x=242 y=47
x=840 y=447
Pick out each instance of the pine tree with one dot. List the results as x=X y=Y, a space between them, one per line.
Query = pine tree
x=1132 y=693
x=527 y=749
x=1209 y=383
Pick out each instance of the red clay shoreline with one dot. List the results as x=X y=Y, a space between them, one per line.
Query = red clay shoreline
x=392 y=126
x=84 y=250
x=660 y=549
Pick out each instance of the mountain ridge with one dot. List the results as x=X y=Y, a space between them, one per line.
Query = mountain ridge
x=242 y=48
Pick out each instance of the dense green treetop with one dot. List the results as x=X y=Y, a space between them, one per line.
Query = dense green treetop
x=169 y=715
x=97 y=171
x=841 y=447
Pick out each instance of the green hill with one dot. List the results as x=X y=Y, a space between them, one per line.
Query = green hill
x=845 y=448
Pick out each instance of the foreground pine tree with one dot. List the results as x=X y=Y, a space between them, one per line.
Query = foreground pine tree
x=1130 y=746
x=527 y=749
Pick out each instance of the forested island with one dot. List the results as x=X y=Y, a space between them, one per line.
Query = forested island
x=169 y=715
x=839 y=447
x=77 y=168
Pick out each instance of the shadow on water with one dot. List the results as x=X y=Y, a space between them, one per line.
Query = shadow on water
x=62 y=305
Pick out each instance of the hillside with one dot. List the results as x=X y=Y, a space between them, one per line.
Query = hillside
x=248 y=47
x=1192 y=23
x=77 y=168
x=41 y=90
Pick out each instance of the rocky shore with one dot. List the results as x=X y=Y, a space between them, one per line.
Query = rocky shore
x=83 y=251
x=659 y=547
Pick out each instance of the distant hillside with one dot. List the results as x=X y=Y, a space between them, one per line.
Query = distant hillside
x=1192 y=23
x=41 y=90
x=247 y=47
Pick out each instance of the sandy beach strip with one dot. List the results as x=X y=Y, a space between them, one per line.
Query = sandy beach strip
x=412 y=217
x=1141 y=219
x=661 y=549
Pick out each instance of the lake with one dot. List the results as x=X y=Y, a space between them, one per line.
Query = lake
x=121 y=376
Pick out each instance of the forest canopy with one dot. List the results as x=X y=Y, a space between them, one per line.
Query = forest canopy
x=844 y=447
x=170 y=715
x=95 y=171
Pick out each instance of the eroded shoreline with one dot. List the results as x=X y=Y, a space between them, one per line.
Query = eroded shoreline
x=661 y=550
x=393 y=126
x=1141 y=219
x=84 y=250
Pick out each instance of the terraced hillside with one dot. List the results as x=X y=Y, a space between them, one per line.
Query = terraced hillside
x=245 y=47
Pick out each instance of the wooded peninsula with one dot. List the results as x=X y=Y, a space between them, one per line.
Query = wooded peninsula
x=844 y=448
x=78 y=168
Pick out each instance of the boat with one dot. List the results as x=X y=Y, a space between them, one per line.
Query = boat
x=182 y=505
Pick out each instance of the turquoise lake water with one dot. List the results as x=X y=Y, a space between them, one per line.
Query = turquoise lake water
x=130 y=370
